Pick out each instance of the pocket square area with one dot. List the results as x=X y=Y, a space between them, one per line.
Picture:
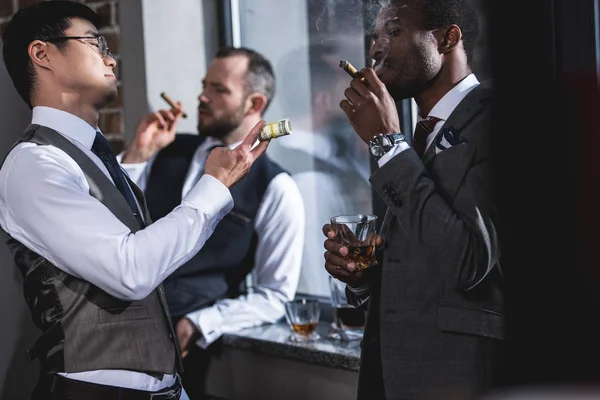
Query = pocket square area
x=446 y=139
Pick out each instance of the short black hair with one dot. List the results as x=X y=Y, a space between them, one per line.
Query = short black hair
x=37 y=22
x=259 y=75
x=441 y=13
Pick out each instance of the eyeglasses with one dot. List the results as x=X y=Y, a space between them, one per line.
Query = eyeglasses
x=101 y=44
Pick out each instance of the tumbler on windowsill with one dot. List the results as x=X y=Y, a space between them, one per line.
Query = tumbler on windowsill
x=302 y=316
x=348 y=321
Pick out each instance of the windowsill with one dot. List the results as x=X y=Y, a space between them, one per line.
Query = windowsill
x=274 y=340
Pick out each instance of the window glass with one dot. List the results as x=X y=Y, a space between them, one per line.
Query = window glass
x=305 y=41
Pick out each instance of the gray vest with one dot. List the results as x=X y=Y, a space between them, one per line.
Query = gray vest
x=85 y=328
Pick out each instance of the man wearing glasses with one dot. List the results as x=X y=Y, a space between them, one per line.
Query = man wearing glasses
x=93 y=38
x=79 y=229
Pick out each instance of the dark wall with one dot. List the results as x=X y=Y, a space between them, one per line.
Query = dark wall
x=17 y=332
x=546 y=148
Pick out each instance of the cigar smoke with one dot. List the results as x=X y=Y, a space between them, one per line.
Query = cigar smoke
x=356 y=12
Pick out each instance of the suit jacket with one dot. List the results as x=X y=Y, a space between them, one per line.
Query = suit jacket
x=435 y=311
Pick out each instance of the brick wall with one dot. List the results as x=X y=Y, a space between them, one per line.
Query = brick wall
x=111 y=118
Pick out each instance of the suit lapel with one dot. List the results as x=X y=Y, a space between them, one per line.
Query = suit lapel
x=464 y=112
x=449 y=167
x=457 y=158
x=430 y=152
x=452 y=164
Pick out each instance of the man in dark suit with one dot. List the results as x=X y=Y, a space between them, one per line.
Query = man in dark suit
x=435 y=303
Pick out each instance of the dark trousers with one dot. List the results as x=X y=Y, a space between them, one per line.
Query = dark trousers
x=40 y=392
x=195 y=365
x=43 y=395
x=54 y=387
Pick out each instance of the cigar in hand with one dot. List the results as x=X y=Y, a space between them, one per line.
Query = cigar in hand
x=170 y=101
x=350 y=70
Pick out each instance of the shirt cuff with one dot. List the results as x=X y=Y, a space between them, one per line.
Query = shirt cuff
x=134 y=171
x=208 y=321
x=361 y=290
x=397 y=149
x=210 y=196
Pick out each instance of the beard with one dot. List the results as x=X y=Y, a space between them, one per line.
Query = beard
x=414 y=74
x=406 y=90
x=221 y=127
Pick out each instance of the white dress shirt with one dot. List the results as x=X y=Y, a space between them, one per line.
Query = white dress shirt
x=279 y=225
x=45 y=204
x=442 y=110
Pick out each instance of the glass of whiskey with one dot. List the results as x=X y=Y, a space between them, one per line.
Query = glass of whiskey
x=302 y=316
x=348 y=321
x=357 y=233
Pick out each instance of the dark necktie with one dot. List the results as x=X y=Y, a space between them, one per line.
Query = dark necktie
x=422 y=130
x=102 y=149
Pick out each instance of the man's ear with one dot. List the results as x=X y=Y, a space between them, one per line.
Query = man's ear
x=38 y=53
x=256 y=103
x=448 y=38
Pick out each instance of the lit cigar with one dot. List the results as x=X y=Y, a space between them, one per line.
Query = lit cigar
x=350 y=70
x=170 y=101
x=275 y=129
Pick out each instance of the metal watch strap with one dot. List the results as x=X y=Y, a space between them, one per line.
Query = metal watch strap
x=395 y=139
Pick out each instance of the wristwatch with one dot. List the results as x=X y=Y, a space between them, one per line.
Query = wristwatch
x=381 y=143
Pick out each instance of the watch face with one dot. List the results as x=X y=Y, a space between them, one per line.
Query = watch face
x=376 y=148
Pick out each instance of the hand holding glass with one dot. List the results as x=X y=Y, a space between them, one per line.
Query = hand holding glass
x=357 y=233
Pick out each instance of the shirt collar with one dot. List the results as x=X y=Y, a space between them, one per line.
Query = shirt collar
x=65 y=123
x=211 y=142
x=446 y=105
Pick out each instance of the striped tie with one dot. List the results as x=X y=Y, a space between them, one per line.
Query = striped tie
x=422 y=130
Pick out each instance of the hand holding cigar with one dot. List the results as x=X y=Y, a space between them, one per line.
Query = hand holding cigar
x=350 y=70
x=174 y=105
